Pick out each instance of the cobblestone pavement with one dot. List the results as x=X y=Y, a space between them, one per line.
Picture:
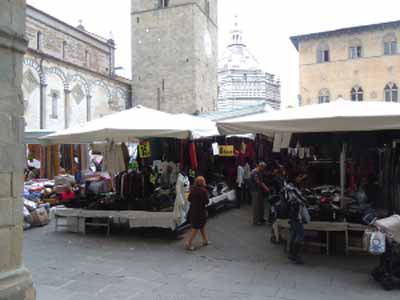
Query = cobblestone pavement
x=239 y=264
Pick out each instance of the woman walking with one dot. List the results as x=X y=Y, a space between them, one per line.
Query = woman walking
x=198 y=199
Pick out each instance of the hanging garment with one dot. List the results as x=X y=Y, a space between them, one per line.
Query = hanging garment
x=243 y=148
x=114 y=160
x=250 y=150
x=193 y=156
x=184 y=154
x=181 y=205
x=215 y=148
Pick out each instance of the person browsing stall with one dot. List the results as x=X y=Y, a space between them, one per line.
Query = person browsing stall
x=240 y=189
x=297 y=217
x=197 y=215
x=258 y=190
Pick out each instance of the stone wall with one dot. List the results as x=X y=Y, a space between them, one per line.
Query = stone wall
x=68 y=75
x=15 y=280
x=80 y=95
x=174 y=56
x=371 y=72
x=206 y=57
x=143 y=5
x=68 y=43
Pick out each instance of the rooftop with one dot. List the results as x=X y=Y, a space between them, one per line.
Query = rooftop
x=349 y=30
x=237 y=56
x=78 y=29
x=236 y=113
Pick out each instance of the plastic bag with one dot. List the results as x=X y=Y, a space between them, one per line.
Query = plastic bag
x=367 y=238
x=377 y=244
x=305 y=215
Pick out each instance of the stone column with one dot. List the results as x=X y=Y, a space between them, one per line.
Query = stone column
x=67 y=110
x=15 y=280
x=88 y=108
x=43 y=107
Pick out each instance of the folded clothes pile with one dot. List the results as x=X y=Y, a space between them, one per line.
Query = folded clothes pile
x=35 y=214
x=325 y=204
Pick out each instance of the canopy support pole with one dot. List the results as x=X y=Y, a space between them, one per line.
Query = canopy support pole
x=343 y=169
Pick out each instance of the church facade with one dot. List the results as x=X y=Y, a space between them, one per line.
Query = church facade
x=241 y=80
x=68 y=75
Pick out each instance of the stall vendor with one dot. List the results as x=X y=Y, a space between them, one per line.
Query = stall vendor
x=32 y=168
x=166 y=180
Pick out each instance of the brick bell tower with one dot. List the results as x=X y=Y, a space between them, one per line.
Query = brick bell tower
x=175 y=54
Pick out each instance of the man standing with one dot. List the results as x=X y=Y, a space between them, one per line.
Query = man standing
x=240 y=189
x=258 y=191
x=296 y=206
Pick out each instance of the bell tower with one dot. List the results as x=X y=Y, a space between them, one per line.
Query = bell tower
x=174 y=54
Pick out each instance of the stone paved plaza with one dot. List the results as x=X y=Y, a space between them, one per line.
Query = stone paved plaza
x=239 y=264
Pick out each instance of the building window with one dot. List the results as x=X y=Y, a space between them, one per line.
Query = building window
x=355 y=52
x=64 y=50
x=390 y=44
x=163 y=3
x=54 y=104
x=39 y=37
x=357 y=94
x=87 y=58
x=323 y=53
x=323 y=96
x=391 y=93
x=355 y=49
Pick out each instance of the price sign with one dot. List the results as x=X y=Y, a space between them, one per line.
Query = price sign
x=144 y=150
x=226 y=151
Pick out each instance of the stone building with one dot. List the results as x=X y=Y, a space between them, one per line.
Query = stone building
x=359 y=63
x=15 y=280
x=174 y=54
x=69 y=74
x=241 y=80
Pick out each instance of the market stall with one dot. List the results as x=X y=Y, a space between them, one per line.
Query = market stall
x=350 y=146
x=149 y=191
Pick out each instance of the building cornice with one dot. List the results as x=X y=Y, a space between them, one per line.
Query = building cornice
x=13 y=41
x=93 y=37
x=51 y=58
x=296 y=40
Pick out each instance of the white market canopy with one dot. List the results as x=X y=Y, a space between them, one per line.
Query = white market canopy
x=202 y=128
x=135 y=123
x=337 y=116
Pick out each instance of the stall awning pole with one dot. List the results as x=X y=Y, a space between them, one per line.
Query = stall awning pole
x=343 y=169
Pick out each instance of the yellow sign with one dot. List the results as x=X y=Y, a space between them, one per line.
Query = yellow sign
x=144 y=150
x=227 y=151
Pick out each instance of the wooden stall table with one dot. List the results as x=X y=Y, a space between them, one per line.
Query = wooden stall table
x=326 y=227
x=358 y=228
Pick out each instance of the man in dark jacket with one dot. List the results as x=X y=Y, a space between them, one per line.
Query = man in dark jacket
x=258 y=191
x=296 y=203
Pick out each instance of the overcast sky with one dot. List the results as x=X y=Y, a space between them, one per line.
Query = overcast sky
x=267 y=26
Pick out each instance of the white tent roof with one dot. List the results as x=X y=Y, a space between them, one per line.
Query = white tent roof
x=201 y=127
x=135 y=123
x=336 y=116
